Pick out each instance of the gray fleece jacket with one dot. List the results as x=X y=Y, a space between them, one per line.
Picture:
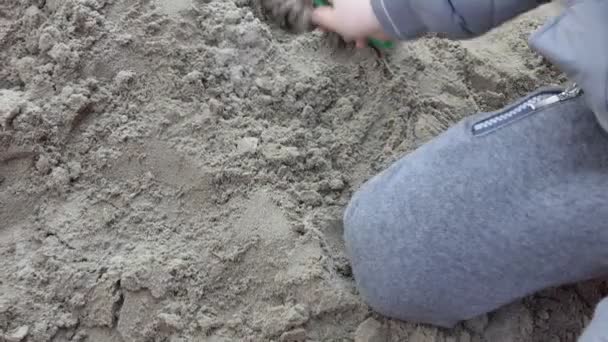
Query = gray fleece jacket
x=576 y=41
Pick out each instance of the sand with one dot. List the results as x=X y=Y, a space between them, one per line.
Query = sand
x=176 y=170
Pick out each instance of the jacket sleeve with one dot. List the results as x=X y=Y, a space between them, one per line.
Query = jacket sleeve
x=456 y=19
x=576 y=42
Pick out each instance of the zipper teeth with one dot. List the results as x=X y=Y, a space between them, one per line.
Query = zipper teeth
x=523 y=108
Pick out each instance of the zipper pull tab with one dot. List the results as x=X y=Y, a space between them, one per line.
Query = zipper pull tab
x=570 y=93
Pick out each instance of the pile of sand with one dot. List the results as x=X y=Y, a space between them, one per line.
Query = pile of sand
x=177 y=170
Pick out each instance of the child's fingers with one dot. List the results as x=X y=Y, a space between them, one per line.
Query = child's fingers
x=325 y=18
x=322 y=29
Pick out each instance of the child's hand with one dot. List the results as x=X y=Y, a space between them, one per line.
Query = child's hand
x=354 y=20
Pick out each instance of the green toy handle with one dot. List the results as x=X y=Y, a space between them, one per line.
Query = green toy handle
x=377 y=43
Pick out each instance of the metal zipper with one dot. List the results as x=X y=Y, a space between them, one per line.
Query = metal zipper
x=527 y=107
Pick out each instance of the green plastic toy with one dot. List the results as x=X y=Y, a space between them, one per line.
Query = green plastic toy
x=376 y=43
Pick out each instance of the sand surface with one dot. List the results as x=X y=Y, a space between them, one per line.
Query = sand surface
x=176 y=170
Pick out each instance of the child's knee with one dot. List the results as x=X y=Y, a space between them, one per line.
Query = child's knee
x=365 y=215
x=361 y=225
x=357 y=221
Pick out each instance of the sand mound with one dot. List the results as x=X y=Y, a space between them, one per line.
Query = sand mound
x=176 y=171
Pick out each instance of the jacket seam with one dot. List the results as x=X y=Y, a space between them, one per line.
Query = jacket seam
x=390 y=19
x=462 y=22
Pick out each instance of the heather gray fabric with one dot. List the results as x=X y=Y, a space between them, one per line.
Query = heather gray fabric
x=466 y=224
x=458 y=19
x=576 y=41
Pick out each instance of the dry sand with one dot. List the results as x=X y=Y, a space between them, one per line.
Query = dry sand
x=176 y=170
